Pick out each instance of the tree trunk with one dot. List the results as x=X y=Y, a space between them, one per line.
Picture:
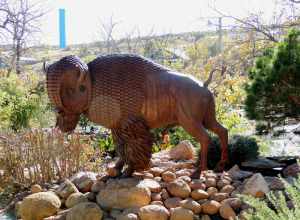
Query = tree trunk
x=18 y=55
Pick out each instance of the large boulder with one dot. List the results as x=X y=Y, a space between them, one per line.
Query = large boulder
x=124 y=193
x=85 y=211
x=183 y=151
x=256 y=186
x=261 y=163
x=151 y=212
x=39 y=205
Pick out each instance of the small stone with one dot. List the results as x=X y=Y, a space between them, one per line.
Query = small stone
x=66 y=189
x=199 y=194
x=36 y=188
x=172 y=202
x=157 y=203
x=236 y=174
x=168 y=176
x=180 y=213
x=84 y=180
x=179 y=188
x=191 y=205
x=219 y=196
x=115 y=213
x=274 y=183
x=111 y=170
x=223 y=182
x=85 y=211
x=183 y=151
x=74 y=199
x=227 y=212
x=183 y=172
x=157 y=179
x=151 y=184
x=201 y=201
x=186 y=179
x=134 y=210
x=292 y=170
x=156 y=197
x=210 y=182
x=205 y=217
x=97 y=186
x=210 y=174
x=235 y=203
x=156 y=171
x=153 y=212
x=147 y=175
x=256 y=186
x=164 y=194
x=227 y=189
x=210 y=207
x=197 y=184
x=90 y=196
x=130 y=216
x=211 y=191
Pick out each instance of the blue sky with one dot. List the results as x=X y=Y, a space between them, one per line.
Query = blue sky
x=84 y=17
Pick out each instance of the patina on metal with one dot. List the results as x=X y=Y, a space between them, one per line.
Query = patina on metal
x=131 y=95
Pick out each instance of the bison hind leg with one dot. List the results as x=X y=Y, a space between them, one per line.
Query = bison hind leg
x=137 y=140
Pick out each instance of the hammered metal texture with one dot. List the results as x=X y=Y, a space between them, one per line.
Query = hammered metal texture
x=54 y=76
x=118 y=87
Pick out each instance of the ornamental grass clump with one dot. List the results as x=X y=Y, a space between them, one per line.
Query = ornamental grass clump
x=278 y=206
x=39 y=156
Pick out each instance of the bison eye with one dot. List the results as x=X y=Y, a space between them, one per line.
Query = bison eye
x=82 y=88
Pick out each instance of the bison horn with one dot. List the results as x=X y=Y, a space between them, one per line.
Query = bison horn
x=45 y=67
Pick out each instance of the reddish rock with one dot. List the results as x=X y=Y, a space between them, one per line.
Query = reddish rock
x=199 y=194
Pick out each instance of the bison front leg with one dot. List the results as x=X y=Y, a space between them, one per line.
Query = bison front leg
x=137 y=140
x=119 y=146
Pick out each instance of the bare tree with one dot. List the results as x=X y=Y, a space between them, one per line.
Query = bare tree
x=20 y=22
x=285 y=17
x=107 y=34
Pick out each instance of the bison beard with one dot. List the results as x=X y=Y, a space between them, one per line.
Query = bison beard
x=133 y=144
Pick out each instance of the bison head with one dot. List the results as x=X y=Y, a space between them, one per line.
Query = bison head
x=69 y=90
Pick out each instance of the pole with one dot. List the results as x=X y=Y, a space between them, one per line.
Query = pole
x=220 y=35
x=62 y=29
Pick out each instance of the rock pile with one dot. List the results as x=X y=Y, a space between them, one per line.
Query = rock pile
x=165 y=192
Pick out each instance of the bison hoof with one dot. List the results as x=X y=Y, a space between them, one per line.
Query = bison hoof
x=221 y=166
x=127 y=172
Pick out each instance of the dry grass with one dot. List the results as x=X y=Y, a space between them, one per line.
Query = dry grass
x=38 y=156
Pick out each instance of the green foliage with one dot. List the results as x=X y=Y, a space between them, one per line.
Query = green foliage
x=240 y=148
x=276 y=208
x=23 y=103
x=104 y=141
x=273 y=93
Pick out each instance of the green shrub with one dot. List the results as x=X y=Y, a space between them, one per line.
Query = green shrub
x=23 y=103
x=276 y=208
x=240 y=148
